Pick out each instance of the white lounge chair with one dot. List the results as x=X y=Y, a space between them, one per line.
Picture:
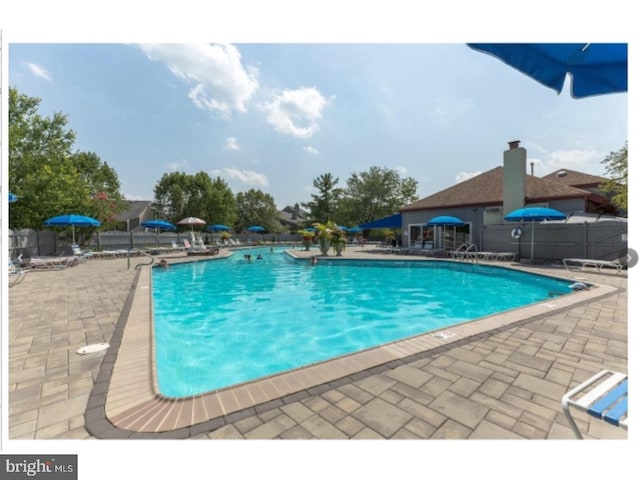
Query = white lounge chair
x=80 y=254
x=51 y=263
x=16 y=273
x=603 y=396
x=581 y=263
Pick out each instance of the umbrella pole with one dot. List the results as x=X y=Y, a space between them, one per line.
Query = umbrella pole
x=73 y=235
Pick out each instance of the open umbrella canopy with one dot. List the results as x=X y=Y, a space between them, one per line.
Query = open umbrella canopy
x=595 y=68
x=256 y=228
x=159 y=224
x=218 y=228
x=534 y=214
x=392 y=221
x=12 y=197
x=354 y=230
x=72 y=220
x=192 y=221
x=445 y=221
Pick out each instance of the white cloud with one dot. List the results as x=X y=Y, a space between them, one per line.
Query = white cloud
x=231 y=144
x=296 y=112
x=38 y=71
x=218 y=80
x=247 y=177
x=583 y=160
x=311 y=150
x=175 y=166
x=401 y=170
x=462 y=176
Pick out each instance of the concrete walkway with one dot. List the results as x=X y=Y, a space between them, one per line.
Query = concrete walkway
x=502 y=384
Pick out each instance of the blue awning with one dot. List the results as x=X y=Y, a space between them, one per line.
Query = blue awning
x=392 y=221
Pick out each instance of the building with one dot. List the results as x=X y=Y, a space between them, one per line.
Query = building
x=131 y=218
x=293 y=218
x=483 y=201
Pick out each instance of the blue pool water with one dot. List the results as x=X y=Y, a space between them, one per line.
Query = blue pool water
x=223 y=322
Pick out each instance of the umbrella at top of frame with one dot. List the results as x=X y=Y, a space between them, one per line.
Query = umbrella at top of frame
x=595 y=68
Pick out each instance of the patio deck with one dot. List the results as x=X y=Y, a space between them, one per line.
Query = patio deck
x=497 y=379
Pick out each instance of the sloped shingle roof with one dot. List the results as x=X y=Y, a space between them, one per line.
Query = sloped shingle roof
x=574 y=179
x=486 y=189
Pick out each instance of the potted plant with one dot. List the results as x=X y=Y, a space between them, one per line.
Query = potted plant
x=323 y=236
x=307 y=238
x=338 y=241
x=329 y=235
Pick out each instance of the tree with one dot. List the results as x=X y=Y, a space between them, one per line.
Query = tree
x=324 y=204
x=103 y=186
x=616 y=169
x=46 y=175
x=178 y=195
x=376 y=193
x=255 y=207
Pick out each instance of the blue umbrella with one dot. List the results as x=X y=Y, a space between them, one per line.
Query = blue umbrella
x=354 y=230
x=218 y=228
x=595 y=68
x=158 y=224
x=534 y=214
x=12 y=197
x=446 y=221
x=72 y=220
x=256 y=228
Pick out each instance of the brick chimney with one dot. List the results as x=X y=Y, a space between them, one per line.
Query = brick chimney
x=514 y=174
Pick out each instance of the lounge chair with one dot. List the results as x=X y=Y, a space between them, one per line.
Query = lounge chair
x=199 y=249
x=603 y=396
x=581 y=263
x=51 y=263
x=82 y=255
x=16 y=273
x=466 y=252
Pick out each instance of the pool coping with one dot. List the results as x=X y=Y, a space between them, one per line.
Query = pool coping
x=125 y=403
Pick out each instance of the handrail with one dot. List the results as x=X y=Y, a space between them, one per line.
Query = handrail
x=153 y=259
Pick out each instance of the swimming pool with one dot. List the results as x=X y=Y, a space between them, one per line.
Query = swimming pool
x=222 y=322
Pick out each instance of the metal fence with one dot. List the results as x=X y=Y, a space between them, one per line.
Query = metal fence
x=30 y=242
x=553 y=242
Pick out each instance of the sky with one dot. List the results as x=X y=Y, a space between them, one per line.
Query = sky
x=272 y=94
x=275 y=116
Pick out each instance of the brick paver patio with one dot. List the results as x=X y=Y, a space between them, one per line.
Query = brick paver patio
x=501 y=384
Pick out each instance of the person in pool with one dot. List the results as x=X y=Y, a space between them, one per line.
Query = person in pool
x=163 y=263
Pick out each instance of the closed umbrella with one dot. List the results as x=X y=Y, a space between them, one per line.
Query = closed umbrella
x=595 y=68
x=12 y=197
x=534 y=214
x=446 y=221
x=72 y=220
